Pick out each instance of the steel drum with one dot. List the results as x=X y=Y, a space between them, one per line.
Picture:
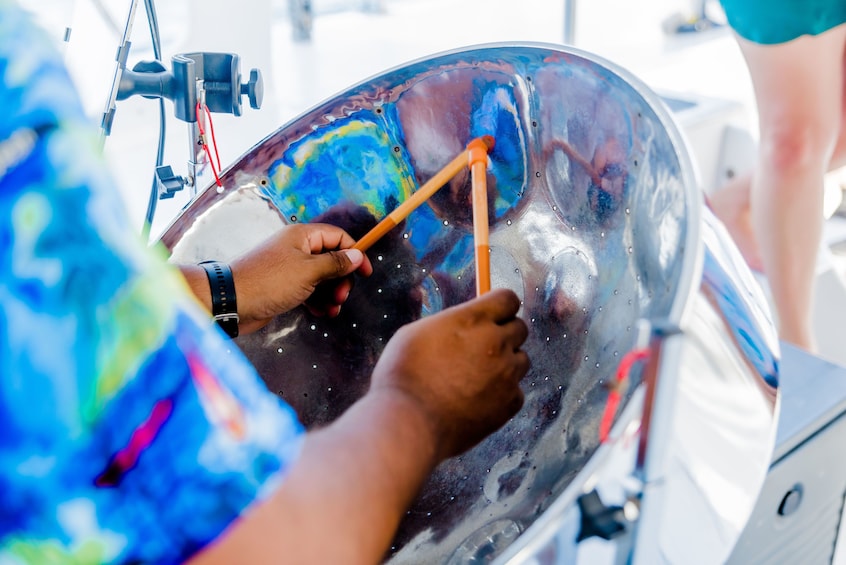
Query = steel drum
x=597 y=224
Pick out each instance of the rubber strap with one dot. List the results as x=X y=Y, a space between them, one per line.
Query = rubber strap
x=224 y=303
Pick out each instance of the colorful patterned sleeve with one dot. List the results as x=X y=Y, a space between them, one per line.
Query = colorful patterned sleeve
x=131 y=430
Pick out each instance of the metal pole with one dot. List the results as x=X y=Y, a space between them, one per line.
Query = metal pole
x=122 y=54
x=196 y=156
x=302 y=18
x=569 y=22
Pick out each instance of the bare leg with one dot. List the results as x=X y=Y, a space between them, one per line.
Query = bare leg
x=730 y=202
x=731 y=205
x=799 y=93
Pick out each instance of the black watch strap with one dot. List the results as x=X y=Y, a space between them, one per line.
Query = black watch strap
x=224 y=304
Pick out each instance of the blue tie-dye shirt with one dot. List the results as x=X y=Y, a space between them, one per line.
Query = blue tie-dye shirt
x=131 y=430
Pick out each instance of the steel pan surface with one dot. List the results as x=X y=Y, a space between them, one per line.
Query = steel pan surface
x=590 y=206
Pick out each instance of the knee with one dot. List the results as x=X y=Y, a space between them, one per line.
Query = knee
x=789 y=148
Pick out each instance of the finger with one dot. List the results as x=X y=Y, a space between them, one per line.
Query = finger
x=342 y=291
x=315 y=311
x=324 y=237
x=366 y=267
x=323 y=311
x=330 y=294
x=516 y=403
x=333 y=264
x=333 y=311
x=522 y=364
x=499 y=305
x=516 y=331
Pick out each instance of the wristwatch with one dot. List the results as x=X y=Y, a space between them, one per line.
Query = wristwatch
x=224 y=304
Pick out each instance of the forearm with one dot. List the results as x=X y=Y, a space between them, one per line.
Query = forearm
x=343 y=499
x=198 y=282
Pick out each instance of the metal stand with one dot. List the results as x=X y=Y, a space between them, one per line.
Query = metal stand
x=212 y=79
x=302 y=17
x=120 y=68
x=569 y=22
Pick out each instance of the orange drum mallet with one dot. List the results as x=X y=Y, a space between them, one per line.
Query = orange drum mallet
x=475 y=155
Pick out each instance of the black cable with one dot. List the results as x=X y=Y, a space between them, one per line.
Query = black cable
x=153 y=23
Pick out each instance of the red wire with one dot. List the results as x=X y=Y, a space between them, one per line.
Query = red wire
x=214 y=141
x=203 y=141
x=613 y=401
x=214 y=171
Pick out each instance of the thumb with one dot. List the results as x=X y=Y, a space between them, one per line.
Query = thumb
x=336 y=264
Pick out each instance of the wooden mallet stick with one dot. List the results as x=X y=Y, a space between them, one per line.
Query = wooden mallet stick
x=477 y=157
x=423 y=193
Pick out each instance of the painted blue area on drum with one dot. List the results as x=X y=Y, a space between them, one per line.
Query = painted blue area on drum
x=349 y=160
x=497 y=116
x=461 y=257
x=355 y=159
x=446 y=221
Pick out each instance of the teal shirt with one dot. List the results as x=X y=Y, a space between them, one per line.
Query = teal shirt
x=769 y=22
x=131 y=430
